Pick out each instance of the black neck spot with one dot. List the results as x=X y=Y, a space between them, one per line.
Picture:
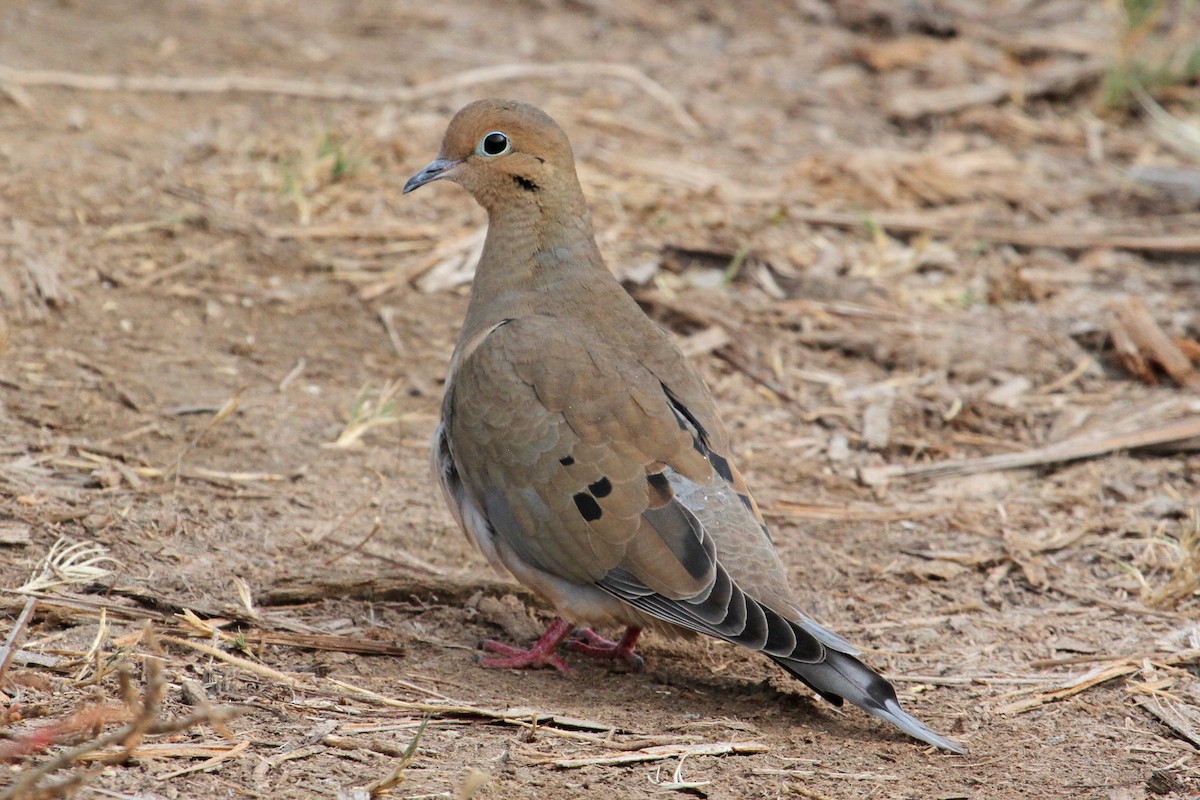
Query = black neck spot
x=525 y=183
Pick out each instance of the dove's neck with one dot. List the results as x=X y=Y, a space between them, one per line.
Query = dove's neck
x=539 y=257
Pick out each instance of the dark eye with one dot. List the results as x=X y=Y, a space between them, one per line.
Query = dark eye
x=494 y=144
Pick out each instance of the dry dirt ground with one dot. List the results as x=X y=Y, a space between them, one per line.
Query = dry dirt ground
x=893 y=235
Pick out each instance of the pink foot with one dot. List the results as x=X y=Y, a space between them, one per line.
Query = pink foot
x=542 y=654
x=594 y=645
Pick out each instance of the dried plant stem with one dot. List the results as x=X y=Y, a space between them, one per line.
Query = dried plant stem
x=334 y=90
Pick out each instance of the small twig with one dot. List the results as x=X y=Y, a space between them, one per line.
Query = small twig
x=1182 y=433
x=332 y=90
x=226 y=410
x=14 y=636
x=145 y=723
x=734 y=359
x=268 y=764
x=1058 y=76
x=396 y=776
x=1175 y=716
x=1102 y=674
x=393 y=586
x=243 y=663
x=293 y=373
x=232 y=752
x=1059 y=239
x=387 y=315
x=375 y=528
x=824 y=773
x=204 y=257
x=660 y=752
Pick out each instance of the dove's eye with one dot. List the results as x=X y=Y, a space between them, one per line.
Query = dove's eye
x=494 y=144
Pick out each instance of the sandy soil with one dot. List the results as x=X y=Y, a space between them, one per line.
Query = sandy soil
x=206 y=290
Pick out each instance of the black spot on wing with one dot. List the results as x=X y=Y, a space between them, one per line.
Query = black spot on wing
x=601 y=488
x=684 y=417
x=525 y=183
x=566 y=461
x=589 y=509
x=721 y=465
x=688 y=423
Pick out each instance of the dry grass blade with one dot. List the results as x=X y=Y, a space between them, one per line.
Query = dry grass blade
x=1101 y=674
x=795 y=509
x=236 y=661
x=1179 y=135
x=368 y=413
x=454 y=708
x=332 y=90
x=811 y=773
x=187 y=751
x=314 y=641
x=384 y=787
x=93 y=652
x=145 y=722
x=1055 y=77
x=227 y=409
x=1183 y=433
x=392 y=586
x=452 y=264
x=1184 y=582
x=659 y=752
x=1181 y=718
x=14 y=636
x=68 y=564
x=1026 y=236
x=677 y=783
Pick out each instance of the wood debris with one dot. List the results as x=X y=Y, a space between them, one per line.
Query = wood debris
x=1141 y=345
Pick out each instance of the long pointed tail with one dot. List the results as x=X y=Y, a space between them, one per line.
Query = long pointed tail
x=844 y=676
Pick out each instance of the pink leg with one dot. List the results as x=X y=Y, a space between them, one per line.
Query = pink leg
x=540 y=655
x=596 y=646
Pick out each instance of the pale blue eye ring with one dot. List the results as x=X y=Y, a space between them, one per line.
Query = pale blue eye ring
x=493 y=144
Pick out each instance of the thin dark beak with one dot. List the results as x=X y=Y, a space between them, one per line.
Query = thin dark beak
x=436 y=169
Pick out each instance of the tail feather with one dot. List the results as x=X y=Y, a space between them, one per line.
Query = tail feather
x=841 y=676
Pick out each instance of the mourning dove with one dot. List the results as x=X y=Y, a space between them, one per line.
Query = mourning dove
x=582 y=453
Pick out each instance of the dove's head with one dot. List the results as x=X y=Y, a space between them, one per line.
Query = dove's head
x=505 y=153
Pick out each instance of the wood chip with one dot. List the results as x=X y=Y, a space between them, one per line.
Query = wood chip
x=1141 y=343
x=15 y=534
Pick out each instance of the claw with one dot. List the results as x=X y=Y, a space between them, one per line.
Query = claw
x=541 y=654
x=594 y=645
